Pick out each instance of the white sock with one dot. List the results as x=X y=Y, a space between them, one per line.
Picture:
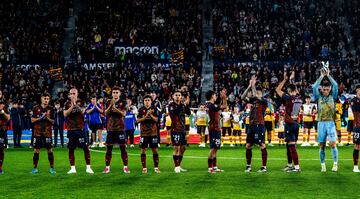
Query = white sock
x=356 y=167
x=125 y=167
x=88 y=167
x=322 y=164
x=297 y=167
x=72 y=168
x=108 y=167
x=335 y=163
x=289 y=165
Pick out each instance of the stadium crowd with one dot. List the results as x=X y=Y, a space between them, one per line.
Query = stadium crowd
x=170 y=25
x=279 y=30
x=31 y=31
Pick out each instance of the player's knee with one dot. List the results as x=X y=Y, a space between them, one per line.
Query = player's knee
x=37 y=151
x=357 y=146
x=262 y=146
x=155 y=150
x=248 y=146
x=143 y=151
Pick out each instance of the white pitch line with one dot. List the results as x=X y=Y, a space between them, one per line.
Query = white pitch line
x=222 y=158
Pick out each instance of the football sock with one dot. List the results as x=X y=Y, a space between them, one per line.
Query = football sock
x=176 y=160
x=294 y=154
x=2 y=155
x=36 y=160
x=248 y=156
x=210 y=163
x=156 y=160
x=124 y=155
x=87 y=156
x=214 y=162
x=288 y=153
x=334 y=152
x=356 y=157
x=72 y=157
x=143 y=160
x=51 y=159
x=264 y=156
x=322 y=155
x=108 y=155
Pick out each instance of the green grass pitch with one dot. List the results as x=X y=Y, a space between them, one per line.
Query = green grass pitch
x=18 y=182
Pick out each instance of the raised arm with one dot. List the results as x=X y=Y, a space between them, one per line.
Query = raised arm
x=316 y=86
x=281 y=86
x=334 y=87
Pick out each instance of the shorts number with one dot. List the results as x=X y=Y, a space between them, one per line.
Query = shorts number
x=48 y=140
x=217 y=141
x=121 y=136
x=81 y=140
x=177 y=138
x=154 y=140
x=356 y=135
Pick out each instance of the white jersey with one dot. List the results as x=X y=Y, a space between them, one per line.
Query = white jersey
x=308 y=109
x=226 y=116
x=201 y=115
x=236 y=118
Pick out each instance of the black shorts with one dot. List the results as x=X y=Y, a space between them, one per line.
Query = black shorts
x=226 y=129
x=215 y=139
x=236 y=132
x=148 y=141
x=3 y=139
x=316 y=125
x=281 y=135
x=268 y=126
x=308 y=125
x=291 y=132
x=350 y=127
x=356 y=136
x=77 y=138
x=116 y=137
x=95 y=127
x=42 y=142
x=201 y=129
x=255 y=134
x=178 y=138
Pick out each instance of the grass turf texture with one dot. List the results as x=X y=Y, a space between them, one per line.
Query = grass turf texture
x=18 y=182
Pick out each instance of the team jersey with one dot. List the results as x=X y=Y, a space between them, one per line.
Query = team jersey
x=236 y=122
x=115 y=120
x=339 y=111
x=226 y=119
x=75 y=120
x=350 y=114
x=326 y=105
x=307 y=110
x=94 y=116
x=148 y=127
x=187 y=121
x=4 y=120
x=43 y=127
x=201 y=118
x=355 y=106
x=292 y=107
x=168 y=121
x=281 y=126
x=257 y=111
x=177 y=114
x=214 y=116
x=268 y=115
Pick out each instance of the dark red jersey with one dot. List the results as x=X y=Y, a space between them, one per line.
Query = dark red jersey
x=3 y=119
x=148 y=127
x=257 y=111
x=115 y=120
x=214 y=117
x=177 y=114
x=75 y=120
x=355 y=106
x=43 y=127
x=292 y=107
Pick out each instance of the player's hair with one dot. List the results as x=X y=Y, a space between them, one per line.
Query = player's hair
x=209 y=94
x=93 y=96
x=178 y=91
x=357 y=87
x=307 y=97
x=45 y=94
x=116 y=88
x=326 y=84
x=258 y=88
x=147 y=97
x=292 y=87
x=56 y=102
